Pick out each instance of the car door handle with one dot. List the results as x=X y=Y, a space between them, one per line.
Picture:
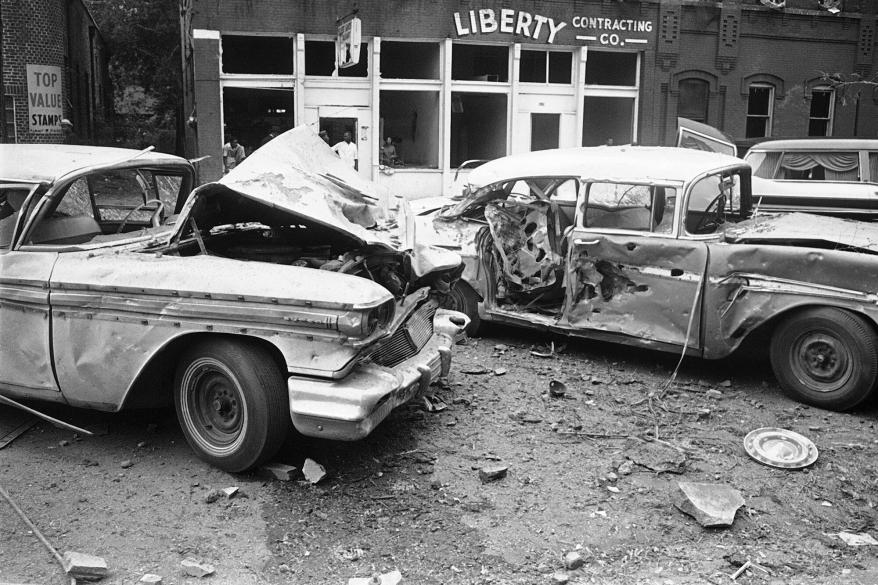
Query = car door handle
x=579 y=242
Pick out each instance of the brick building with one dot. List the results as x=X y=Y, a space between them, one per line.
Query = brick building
x=448 y=81
x=53 y=65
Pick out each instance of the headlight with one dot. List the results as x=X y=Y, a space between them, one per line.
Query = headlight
x=378 y=317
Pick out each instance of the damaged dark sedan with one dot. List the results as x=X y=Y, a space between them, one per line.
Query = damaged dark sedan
x=653 y=246
x=275 y=298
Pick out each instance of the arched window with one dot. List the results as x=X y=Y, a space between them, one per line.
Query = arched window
x=693 y=99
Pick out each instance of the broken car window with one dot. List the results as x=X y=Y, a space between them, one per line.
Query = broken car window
x=712 y=200
x=645 y=208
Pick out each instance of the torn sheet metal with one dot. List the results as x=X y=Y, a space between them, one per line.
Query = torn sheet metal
x=522 y=238
x=805 y=229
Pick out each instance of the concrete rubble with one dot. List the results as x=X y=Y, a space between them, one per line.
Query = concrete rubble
x=313 y=471
x=195 y=568
x=84 y=566
x=712 y=505
x=280 y=471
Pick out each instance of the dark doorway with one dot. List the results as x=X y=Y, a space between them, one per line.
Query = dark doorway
x=544 y=131
x=250 y=115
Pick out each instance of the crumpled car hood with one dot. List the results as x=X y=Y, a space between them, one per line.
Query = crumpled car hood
x=298 y=173
x=805 y=229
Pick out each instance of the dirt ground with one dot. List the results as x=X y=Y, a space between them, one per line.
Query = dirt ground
x=580 y=478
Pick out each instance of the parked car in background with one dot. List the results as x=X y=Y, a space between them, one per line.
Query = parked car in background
x=651 y=246
x=828 y=176
x=274 y=300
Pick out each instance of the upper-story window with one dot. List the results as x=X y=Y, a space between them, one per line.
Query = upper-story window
x=260 y=55
x=693 y=100
x=822 y=108
x=410 y=60
x=320 y=59
x=545 y=67
x=760 y=106
x=479 y=62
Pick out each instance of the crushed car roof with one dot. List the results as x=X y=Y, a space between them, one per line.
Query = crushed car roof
x=633 y=163
x=44 y=163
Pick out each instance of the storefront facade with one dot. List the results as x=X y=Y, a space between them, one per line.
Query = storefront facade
x=448 y=82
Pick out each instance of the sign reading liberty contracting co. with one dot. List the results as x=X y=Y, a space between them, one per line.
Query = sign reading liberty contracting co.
x=613 y=32
x=44 y=98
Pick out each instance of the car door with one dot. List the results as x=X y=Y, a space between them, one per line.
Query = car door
x=628 y=274
x=25 y=342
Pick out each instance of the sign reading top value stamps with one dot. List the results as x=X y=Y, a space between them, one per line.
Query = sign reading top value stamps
x=45 y=98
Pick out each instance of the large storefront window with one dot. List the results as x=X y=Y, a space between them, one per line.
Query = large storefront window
x=478 y=126
x=609 y=109
x=257 y=55
x=545 y=67
x=480 y=62
x=320 y=60
x=252 y=114
x=410 y=119
x=409 y=60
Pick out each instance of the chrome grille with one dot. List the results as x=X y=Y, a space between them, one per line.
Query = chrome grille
x=409 y=338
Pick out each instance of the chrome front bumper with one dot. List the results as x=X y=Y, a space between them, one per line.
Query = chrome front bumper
x=350 y=408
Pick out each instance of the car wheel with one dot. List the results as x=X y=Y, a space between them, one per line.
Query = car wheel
x=231 y=401
x=463 y=298
x=825 y=357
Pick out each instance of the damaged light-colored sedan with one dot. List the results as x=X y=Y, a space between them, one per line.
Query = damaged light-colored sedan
x=651 y=247
x=267 y=298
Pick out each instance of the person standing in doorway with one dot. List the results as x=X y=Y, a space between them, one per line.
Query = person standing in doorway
x=233 y=154
x=347 y=150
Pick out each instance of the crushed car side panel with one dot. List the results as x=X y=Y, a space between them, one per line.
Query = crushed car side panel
x=750 y=284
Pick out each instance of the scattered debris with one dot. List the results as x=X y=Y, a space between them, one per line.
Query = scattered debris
x=560 y=577
x=557 y=389
x=230 y=492
x=525 y=417
x=391 y=578
x=313 y=471
x=475 y=370
x=743 y=568
x=714 y=393
x=573 y=560
x=726 y=384
x=780 y=448
x=712 y=505
x=350 y=554
x=63 y=443
x=861 y=539
x=84 y=566
x=626 y=467
x=492 y=473
x=151 y=579
x=433 y=403
x=499 y=371
x=212 y=496
x=280 y=471
x=656 y=456
x=195 y=568
x=126 y=464
x=545 y=354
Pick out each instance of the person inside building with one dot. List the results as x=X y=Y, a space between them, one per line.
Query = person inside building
x=233 y=154
x=325 y=136
x=347 y=150
x=389 y=155
x=69 y=136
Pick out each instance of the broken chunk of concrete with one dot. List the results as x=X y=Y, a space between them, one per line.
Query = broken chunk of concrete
x=391 y=578
x=84 y=566
x=313 y=471
x=573 y=560
x=230 y=492
x=195 y=568
x=712 y=505
x=657 y=457
x=492 y=473
x=126 y=464
x=861 y=539
x=560 y=577
x=280 y=471
x=151 y=579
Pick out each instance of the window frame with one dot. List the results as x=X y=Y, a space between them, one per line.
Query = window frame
x=769 y=117
x=829 y=119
